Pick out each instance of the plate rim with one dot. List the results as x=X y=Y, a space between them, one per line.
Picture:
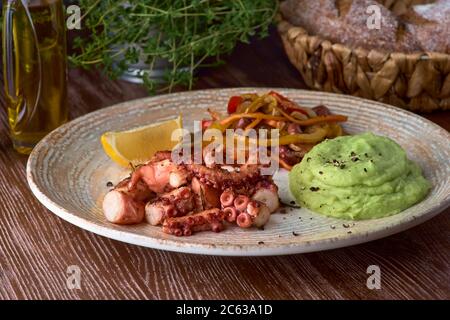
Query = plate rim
x=226 y=250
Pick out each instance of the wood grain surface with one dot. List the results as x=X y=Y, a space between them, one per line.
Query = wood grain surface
x=36 y=247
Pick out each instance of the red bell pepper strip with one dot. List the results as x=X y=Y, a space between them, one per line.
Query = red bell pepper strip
x=233 y=103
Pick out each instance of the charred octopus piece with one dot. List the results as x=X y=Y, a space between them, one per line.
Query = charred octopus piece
x=267 y=193
x=155 y=174
x=211 y=219
x=124 y=206
x=207 y=197
x=160 y=174
x=175 y=203
x=258 y=212
x=220 y=178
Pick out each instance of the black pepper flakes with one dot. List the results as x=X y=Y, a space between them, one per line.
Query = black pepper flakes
x=308 y=159
x=295 y=234
x=365 y=170
x=109 y=184
x=314 y=189
x=260 y=242
x=345 y=225
x=342 y=166
x=320 y=172
x=292 y=202
x=366 y=155
x=349 y=232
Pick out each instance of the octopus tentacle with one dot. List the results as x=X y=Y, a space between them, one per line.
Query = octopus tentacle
x=211 y=219
x=221 y=178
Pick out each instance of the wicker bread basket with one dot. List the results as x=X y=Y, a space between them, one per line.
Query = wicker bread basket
x=418 y=81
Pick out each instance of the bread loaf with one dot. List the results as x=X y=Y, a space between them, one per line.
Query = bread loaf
x=431 y=25
x=414 y=26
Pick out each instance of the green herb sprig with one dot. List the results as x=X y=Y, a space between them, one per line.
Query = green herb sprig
x=186 y=34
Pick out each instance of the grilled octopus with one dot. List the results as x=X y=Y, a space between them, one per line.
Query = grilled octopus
x=186 y=198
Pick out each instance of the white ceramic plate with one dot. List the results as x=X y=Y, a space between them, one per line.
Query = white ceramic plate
x=68 y=172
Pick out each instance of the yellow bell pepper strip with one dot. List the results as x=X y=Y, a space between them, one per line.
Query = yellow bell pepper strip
x=255 y=105
x=256 y=115
x=320 y=119
x=336 y=129
x=318 y=135
x=315 y=120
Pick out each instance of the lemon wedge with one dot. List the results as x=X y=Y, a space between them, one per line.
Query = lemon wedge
x=139 y=144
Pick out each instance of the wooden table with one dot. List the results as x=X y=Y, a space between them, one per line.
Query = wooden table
x=36 y=247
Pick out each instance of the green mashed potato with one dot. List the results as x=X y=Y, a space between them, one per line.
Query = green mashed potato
x=357 y=177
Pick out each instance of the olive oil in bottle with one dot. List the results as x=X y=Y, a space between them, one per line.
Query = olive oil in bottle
x=35 y=70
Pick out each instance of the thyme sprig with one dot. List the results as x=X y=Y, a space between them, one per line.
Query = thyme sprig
x=186 y=34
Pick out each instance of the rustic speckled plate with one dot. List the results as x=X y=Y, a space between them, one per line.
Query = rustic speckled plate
x=68 y=172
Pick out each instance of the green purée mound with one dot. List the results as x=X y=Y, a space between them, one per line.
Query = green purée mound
x=357 y=177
